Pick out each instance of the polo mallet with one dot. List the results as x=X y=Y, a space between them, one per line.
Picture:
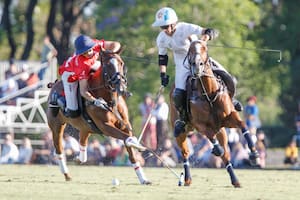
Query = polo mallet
x=160 y=91
x=179 y=177
x=253 y=49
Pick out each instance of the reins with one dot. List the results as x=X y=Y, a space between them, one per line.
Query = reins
x=191 y=56
x=107 y=84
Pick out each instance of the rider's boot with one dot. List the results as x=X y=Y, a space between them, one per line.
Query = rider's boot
x=71 y=113
x=179 y=98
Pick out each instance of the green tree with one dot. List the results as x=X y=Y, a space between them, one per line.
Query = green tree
x=131 y=25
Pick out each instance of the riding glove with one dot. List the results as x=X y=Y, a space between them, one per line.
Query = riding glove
x=164 y=79
x=101 y=103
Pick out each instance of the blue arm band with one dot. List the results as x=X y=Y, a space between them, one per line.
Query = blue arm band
x=163 y=60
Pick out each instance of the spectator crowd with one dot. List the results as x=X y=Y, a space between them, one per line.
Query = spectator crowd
x=157 y=136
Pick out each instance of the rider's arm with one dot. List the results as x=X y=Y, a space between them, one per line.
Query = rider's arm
x=83 y=84
x=163 y=63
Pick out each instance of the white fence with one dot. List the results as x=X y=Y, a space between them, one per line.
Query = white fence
x=28 y=115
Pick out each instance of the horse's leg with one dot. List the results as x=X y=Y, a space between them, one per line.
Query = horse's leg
x=182 y=143
x=253 y=156
x=137 y=167
x=57 y=133
x=83 y=141
x=222 y=138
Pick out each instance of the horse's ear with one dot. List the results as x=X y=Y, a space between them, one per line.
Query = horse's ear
x=122 y=48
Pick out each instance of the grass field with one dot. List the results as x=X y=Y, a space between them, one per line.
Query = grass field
x=92 y=182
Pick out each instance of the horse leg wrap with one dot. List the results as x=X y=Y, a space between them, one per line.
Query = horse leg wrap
x=217 y=150
x=62 y=164
x=139 y=172
x=248 y=138
x=82 y=153
x=187 y=172
x=233 y=178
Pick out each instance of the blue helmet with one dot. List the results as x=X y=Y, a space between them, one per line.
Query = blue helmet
x=83 y=43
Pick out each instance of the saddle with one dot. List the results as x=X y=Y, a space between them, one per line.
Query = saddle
x=224 y=79
x=59 y=101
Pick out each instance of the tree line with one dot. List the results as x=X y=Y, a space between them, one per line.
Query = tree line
x=248 y=25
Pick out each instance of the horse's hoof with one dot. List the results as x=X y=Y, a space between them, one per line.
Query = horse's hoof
x=146 y=182
x=67 y=177
x=77 y=161
x=188 y=182
x=236 y=185
x=254 y=158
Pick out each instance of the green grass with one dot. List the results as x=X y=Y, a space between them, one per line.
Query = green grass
x=92 y=182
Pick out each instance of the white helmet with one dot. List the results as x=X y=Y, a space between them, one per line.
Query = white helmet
x=165 y=16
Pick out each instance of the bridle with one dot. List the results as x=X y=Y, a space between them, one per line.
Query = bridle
x=199 y=64
x=117 y=81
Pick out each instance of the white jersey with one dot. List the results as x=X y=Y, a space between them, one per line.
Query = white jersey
x=179 y=43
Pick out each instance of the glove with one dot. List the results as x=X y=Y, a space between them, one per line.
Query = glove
x=213 y=33
x=164 y=79
x=101 y=103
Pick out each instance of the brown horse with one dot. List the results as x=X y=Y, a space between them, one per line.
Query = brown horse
x=108 y=82
x=210 y=109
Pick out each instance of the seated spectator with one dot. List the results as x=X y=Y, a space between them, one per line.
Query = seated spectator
x=149 y=138
x=10 y=85
x=240 y=156
x=122 y=158
x=112 y=149
x=25 y=151
x=202 y=156
x=168 y=154
x=261 y=146
x=32 y=81
x=95 y=152
x=291 y=153
x=71 y=146
x=296 y=137
x=45 y=155
x=233 y=137
x=9 y=152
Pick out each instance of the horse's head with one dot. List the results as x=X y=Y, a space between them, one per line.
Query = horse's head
x=198 y=57
x=114 y=72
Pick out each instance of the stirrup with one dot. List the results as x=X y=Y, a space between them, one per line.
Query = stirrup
x=133 y=142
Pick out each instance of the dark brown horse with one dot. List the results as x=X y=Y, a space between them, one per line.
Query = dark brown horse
x=210 y=109
x=108 y=82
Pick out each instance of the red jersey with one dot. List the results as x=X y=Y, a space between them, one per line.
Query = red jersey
x=80 y=64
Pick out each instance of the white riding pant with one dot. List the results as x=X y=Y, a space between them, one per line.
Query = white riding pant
x=70 y=89
x=182 y=71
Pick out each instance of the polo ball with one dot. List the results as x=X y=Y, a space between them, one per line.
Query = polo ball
x=115 y=182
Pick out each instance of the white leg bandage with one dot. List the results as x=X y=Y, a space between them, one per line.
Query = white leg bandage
x=139 y=172
x=82 y=153
x=62 y=164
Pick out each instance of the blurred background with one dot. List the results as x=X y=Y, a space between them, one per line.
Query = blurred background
x=259 y=44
